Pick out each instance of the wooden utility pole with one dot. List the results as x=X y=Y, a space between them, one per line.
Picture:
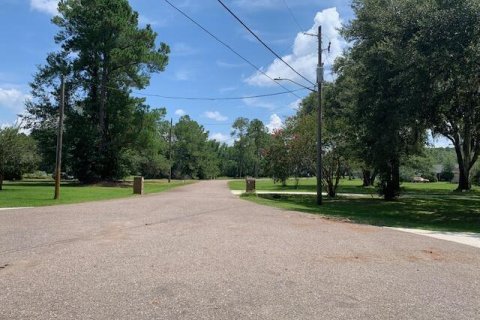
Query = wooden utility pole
x=58 y=161
x=170 y=151
x=319 y=117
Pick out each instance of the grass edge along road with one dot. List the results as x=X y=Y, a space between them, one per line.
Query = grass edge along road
x=439 y=211
x=354 y=186
x=40 y=193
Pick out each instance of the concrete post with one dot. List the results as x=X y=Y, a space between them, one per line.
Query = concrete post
x=138 y=185
x=250 y=185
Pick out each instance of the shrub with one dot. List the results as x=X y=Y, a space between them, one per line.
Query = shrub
x=36 y=175
x=476 y=178
x=430 y=176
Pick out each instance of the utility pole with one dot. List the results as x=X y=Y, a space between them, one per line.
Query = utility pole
x=170 y=151
x=319 y=110
x=58 y=161
x=319 y=117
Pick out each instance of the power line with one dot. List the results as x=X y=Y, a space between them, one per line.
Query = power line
x=262 y=42
x=211 y=98
x=229 y=47
x=293 y=16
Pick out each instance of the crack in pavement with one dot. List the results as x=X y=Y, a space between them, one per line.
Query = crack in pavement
x=90 y=237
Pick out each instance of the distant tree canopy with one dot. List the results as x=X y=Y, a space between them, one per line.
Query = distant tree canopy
x=195 y=156
x=17 y=154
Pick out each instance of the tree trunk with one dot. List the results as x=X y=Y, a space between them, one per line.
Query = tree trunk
x=1 y=181
x=297 y=181
x=257 y=164
x=103 y=97
x=464 y=182
x=331 y=190
x=368 y=177
x=463 y=159
x=373 y=178
x=240 y=166
x=392 y=188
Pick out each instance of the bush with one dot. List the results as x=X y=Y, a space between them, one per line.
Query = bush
x=36 y=175
x=407 y=174
x=447 y=173
x=446 y=176
x=476 y=178
x=12 y=175
x=430 y=176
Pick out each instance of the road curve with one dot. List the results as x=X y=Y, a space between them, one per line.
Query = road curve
x=199 y=252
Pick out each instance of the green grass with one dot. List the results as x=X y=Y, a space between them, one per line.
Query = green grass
x=433 y=206
x=352 y=186
x=432 y=213
x=40 y=193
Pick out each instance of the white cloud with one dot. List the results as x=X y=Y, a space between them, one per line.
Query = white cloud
x=220 y=137
x=227 y=89
x=215 y=115
x=183 y=75
x=295 y=104
x=259 y=103
x=17 y=123
x=275 y=123
x=229 y=65
x=13 y=99
x=180 y=112
x=271 y=4
x=144 y=20
x=46 y=6
x=304 y=57
x=181 y=49
x=438 y=141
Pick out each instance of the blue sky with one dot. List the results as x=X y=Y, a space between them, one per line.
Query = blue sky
x=199 y=66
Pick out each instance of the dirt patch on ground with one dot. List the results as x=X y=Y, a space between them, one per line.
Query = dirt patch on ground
x=361 y=228
x=114 y=232
x=434 y=254
x=359 y=258
x=437 y=255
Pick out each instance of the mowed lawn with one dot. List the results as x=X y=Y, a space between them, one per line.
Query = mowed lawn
x=40 y=193
x=432 y=206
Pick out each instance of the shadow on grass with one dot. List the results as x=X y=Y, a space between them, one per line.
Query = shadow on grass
x=41 y=184
x=75 y=184
x=444 y=214
x=355 y=187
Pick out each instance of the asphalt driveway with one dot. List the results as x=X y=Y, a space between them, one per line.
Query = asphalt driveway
x=199 y=252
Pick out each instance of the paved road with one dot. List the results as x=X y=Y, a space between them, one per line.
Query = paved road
x=199 y=252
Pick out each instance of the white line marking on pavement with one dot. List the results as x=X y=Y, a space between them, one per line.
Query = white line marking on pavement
x=17 y=208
